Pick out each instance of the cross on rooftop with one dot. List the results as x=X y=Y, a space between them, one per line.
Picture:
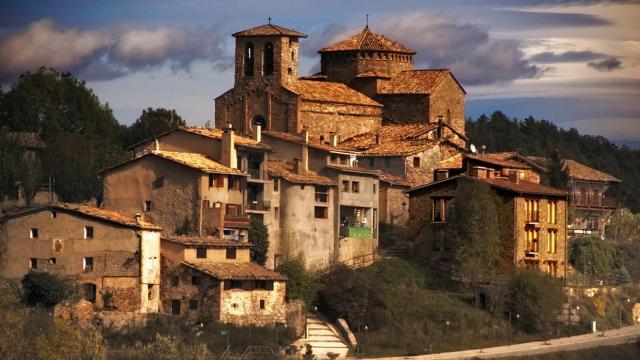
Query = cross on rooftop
x=269 y=20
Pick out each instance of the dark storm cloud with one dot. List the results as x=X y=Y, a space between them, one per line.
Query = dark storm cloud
x=609 y=64
x=467 y=49
x=559 y=2
x=549 y=57
x=536 y=20
x=106 y=53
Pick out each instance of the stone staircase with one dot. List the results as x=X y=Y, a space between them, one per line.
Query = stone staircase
x=398 y=250
x=324 y=338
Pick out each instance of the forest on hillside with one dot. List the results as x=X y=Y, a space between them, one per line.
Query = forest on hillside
x=541 y=137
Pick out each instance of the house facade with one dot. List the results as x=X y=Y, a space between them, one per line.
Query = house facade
x=109 y=254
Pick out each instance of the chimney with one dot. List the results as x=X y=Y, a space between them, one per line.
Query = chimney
x=334 y=139
x=378 y=140
x=257 y=133
x=305 y=136
x=297 y=166
x=514 y=176
x=479 y=172
x=228 y=153
x=441 y=174
x=138 y=217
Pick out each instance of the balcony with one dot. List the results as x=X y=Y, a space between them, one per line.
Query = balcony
x=593 y=201
x=258 y=205
x=254 y=174
x=237 y=221
x=322 y=197
x=584 y=232
x=356 y=232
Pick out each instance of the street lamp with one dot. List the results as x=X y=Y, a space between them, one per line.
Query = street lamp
x=277 y=343
x=620 y=309
x=366 y=328
x=198 y=326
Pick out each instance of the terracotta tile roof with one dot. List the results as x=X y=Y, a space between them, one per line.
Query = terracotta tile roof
x=209 y=241
x=269 y=30
x=216 y=134
x=236 y=271
x=333 y=92
x=373 y=74
x=579 y=171
x=523 y=187
x=394 y=180
x=367 y=40
x=500 y=159
x=395 y=140
x=313 y=142
x=29 y=140
x=354 y=169
x=198 y=162
x=93 y=212
x=417 y=82
x=317 y=76
x=283 y=169
x=454 y=162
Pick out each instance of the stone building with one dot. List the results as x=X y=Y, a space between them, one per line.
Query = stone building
x=109 y=254
x=538 y=236
x=214 y=276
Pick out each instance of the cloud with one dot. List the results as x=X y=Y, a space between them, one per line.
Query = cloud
x=107 y=53
x=526 y=19
x=549 y=57
x=474 y=57
x=609 y=64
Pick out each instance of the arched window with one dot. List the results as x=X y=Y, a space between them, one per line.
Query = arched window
x=259 y=119
x=268 y=59
x=248 y=59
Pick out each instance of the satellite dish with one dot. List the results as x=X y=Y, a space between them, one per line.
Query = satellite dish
x=473 y=149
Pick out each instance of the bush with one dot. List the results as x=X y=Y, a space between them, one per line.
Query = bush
x=536 y=297
x=259 y=237
x=301 y=283
x=595 y=257
x=46 y=289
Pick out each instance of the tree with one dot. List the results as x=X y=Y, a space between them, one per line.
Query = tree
x=558 y=176
x=301 y=284
x=46 y=289
x=152 y=123
x=594 y=257
x=476 y=231
x=10 y=165
x=624 y=232
x=536 y=297
x=259 y=237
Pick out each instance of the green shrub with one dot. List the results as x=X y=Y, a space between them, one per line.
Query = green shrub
x=536 y=297
x=596 y=257
x=301 y=283
x=259 y=237
x=46 y=289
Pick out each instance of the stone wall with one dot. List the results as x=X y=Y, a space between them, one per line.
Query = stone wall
x=345 y=66
x=242 y=307
x=395 y=205
x=207 y=294
x=429 y=161
x=447 y=100
x=405 y=109
x=322 y=118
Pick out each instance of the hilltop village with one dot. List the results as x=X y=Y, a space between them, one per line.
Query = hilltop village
x=327 y=162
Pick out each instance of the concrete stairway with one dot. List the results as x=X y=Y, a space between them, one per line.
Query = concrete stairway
x=398 y=250
x=323 y=338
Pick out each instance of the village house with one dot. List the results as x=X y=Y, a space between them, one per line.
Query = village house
x=213 y=276
x=115 y=258
x=538 y=214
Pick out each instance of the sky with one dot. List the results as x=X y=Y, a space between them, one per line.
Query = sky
x=575 y=63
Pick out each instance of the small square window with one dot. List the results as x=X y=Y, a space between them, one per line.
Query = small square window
x=54 y=214
x=355 y=187
x=320 y=212
x=231 y=253
x=345 y=186
x=147 y=205
x=87 y=264
x=262 y=304
x=52 y=261
x=375 y=188
x=175 y=307
x=193 y=304
x=33 y=263
x=88 y=232
x=236 y=284
x=276 y=213
x=175 y=280
x=416 y=162
x=276 y=185
x=33 y=234
x=201 y=253
x=261 y=284
x=196 y=280
x=158 y=182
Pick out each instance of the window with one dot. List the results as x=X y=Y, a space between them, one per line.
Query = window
x=552 y=212
x=552 y=246
x=54 y=214
x=333 y=158
x=193 y=304
x=276 y=185
x=87 y=264
x=147 y=205
x=268 y=59
x=321 y=194
x=158 y=182
x=201 y=253
x=416 y=162
x=261 y=284
x=375 y=188
x=231 y=253
x=343 y=160
x=236 y=284
x=248 y=59
x=532 y=210
x=387 y=162
x=33 y=233
x=372 y=162
x=293 y=55
x=89 y=291
x=234 y=182
x=212 y=180
x=355 y=186
x=175 y=307
x=531 y=240
x=262 y=304
x=88 y=232
x=33 y=263
x=439 y=209
x=276 y=213
x=320 y=212
x=150 y=292
x=232 y=209
x=196 y=280
x=175 y=280
x=345 y=186
x=219 y=180
x=52 y=261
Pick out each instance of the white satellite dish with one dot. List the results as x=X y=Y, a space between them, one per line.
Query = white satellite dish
x=473 y=149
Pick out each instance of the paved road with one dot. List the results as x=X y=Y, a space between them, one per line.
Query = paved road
x=612 y=337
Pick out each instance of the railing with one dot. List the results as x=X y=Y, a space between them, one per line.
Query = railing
x=236 y=220
x=355 y=262
x=356 y=232
x=591 y=201
x=258 y=205
x=254 y=173
x=322 y=197
x=583 y=232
